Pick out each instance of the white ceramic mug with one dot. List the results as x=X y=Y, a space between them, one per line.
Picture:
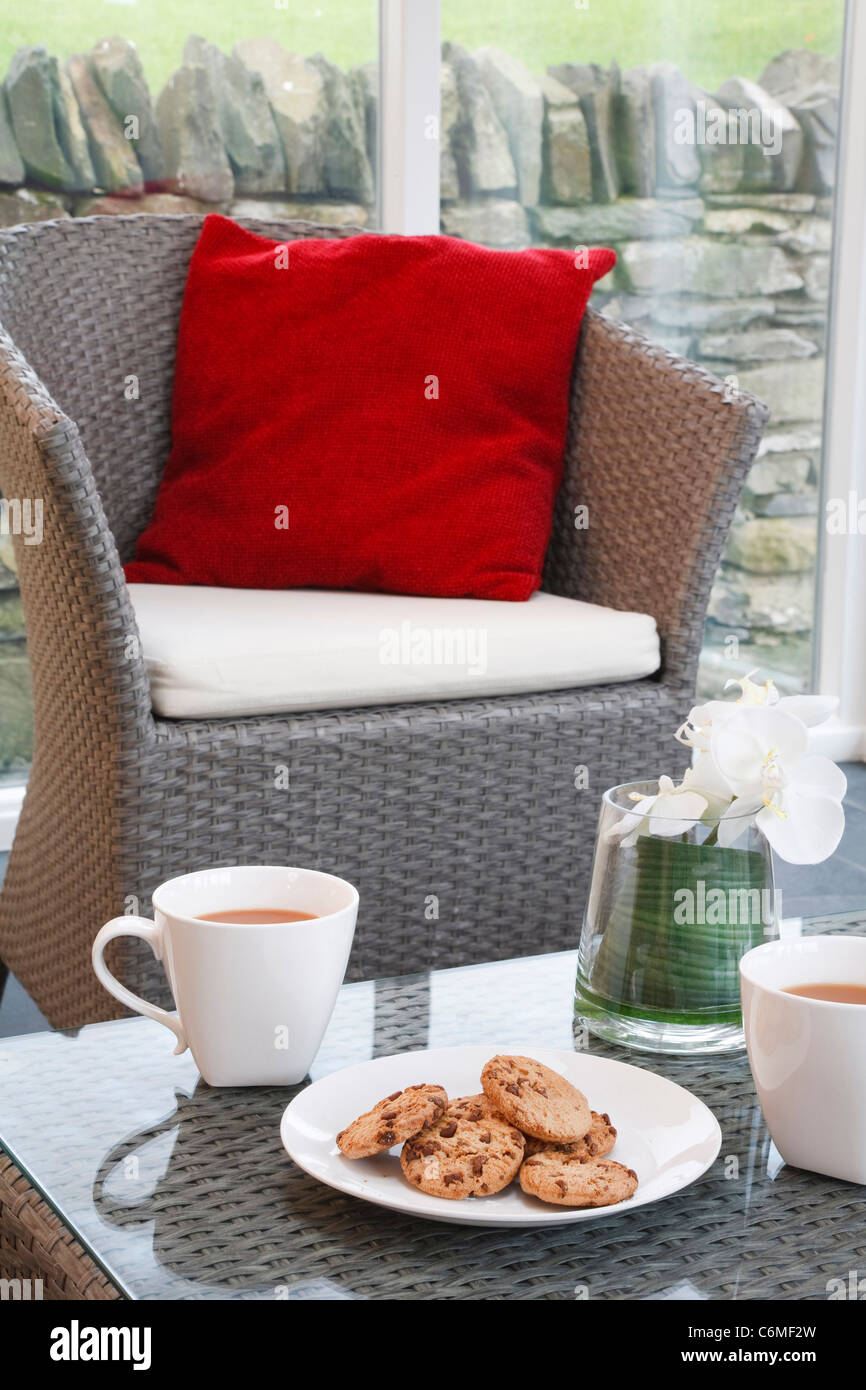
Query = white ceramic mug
x=808 y=1056
x=253 y=1000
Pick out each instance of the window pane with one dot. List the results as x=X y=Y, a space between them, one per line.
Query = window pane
x=268 y=111
x=698 y=141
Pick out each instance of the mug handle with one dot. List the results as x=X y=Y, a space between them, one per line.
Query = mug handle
x=149 y=932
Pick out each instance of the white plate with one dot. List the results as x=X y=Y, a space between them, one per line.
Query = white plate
x=665 y=1134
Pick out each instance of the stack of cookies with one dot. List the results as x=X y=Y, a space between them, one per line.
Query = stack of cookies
x=527 y=1120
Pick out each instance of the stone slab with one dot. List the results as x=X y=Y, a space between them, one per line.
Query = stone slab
x=196 y=162
x=117 y=68
x=116 y=166
x=697 y=265
x=518 y=102
x=499 y=222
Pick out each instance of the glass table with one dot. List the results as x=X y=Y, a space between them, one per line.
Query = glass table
x=128 y=1176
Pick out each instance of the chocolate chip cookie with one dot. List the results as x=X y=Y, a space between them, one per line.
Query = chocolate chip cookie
x=474 y=1108
x=597 y=1142
x=536 y=1099
x=392 y=1121
x=454 y=1157
x=567 y=1180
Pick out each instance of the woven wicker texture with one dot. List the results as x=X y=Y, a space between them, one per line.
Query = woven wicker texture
x=35 y=1245
x=470 y=802
x=184 y=1191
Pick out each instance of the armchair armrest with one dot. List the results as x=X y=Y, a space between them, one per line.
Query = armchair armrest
x=657 y=453
x=81 y=629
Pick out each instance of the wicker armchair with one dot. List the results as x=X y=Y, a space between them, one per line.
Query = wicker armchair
x=473 y=801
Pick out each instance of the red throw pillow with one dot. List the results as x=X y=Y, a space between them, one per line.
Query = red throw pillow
x=374 y=412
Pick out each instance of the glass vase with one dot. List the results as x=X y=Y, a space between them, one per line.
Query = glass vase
x=667 y=919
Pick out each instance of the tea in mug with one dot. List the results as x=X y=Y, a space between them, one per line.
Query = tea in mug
x=830 y=993
x=256 y=916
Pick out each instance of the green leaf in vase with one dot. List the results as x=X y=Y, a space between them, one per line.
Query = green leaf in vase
x=657 y=961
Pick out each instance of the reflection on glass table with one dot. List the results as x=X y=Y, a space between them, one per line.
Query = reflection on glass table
x=181 y=1191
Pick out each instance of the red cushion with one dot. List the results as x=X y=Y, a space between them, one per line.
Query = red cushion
x=406 y=398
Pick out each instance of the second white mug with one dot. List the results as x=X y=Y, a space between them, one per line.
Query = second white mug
x=808 y=1056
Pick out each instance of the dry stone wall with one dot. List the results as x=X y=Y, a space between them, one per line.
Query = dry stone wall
x=719 y=206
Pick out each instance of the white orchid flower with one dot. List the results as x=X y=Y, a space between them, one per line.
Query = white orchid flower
x=673 y=810
x=697 y=730
x=812 y=709
x=703 y=720
x=796 y=799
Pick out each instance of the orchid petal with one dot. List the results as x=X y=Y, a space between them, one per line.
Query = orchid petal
x=739 y=755
x=715 y=709
x=809 y=830
x=673 y=814
x=704 y=776
x=622 y=828
x=632 y=821
x=812 y=709
x=738 y=817
x=780 y=731
x=816 y=776
x=713 y=712
x=632 y=839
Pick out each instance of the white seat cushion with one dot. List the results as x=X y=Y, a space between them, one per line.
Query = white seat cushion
x=218 y=652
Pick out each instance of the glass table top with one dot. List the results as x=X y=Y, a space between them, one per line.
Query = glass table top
x=181 y=1191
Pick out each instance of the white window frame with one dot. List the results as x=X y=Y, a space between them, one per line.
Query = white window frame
x=840 y=664
x=409 y=113
x=11 y=798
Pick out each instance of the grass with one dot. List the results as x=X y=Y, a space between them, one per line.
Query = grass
x=709 y=39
